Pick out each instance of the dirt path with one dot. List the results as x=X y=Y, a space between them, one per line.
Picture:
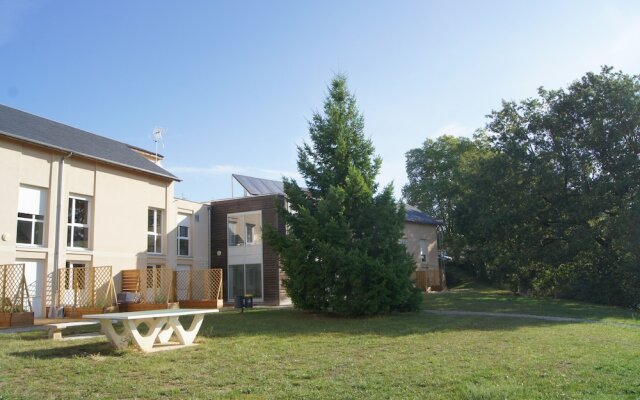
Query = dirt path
x=530 y=316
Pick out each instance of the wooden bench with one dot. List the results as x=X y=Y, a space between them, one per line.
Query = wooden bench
x=55 y=330
x=161 y=324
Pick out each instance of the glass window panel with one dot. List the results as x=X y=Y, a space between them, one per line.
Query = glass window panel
x=235 y=234
x=82 y=212
x=24 y=232
x=38 y=233
x=253 y=279
x=150 y=243
x=150 y=219
x=80 y=237
x=158 y=241
x=69 y=238
x=183 y=231
x=236 y=281
x=183 y=247
x=158 y=221
x=253 y=227
x=23 y=215
x=40 y=217
x=70 y=213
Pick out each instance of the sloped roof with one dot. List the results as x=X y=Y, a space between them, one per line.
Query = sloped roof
x=258 y=186
x=31 y=128
x=412 y=214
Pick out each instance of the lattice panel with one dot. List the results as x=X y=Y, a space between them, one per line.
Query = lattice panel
x=86 y=287
x=14 y=294
x=199 y=284
x=157 y=286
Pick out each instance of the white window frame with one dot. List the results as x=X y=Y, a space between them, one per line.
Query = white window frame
x=187 y=238
x=32 y=219
x=157 y=230
x=74 y=224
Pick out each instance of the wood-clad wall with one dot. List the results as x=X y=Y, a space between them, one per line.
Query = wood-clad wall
x=273 y=290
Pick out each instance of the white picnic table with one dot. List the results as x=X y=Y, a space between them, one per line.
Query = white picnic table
x=162 y=325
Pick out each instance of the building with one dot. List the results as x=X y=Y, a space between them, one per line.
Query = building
x=423 y=239
x=75 y=199
x=250 y=266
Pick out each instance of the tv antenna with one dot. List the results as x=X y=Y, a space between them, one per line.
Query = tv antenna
x=157 y=137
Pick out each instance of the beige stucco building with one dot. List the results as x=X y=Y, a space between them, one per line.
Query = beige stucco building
x=71 y=198
x=423 y=240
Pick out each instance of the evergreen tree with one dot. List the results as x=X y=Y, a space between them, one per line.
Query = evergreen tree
x=341 y=252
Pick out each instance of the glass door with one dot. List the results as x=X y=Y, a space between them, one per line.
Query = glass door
x=245 y=279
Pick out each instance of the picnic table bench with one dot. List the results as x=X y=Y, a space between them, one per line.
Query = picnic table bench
x=162 y=324
x=55 y=329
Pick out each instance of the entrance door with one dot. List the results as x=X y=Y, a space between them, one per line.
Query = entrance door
x=245 y=279
x=34 y=273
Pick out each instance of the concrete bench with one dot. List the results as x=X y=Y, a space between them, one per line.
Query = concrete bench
x=55 y=330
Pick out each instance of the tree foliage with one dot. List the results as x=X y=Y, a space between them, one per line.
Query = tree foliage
x=554 y=208
x=341 y=252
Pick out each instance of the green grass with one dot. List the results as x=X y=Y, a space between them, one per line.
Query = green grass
x=479 y=298
x=291 y=354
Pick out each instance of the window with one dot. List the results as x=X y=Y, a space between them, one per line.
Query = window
x=245 y=279
x=75 y=276
x=154 y=231
x=31 y=205
x=233 y=233
x=78 y=223
x=183 y=234
x=244 y=229
x=423 y=250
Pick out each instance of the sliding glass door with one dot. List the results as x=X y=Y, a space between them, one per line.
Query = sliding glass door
x=245 y=279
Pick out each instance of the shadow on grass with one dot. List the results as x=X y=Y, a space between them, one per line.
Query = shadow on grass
x=290 y=322
x=102 y=349
x=501 y=301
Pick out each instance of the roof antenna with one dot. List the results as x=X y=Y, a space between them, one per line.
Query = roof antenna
x=157 y=137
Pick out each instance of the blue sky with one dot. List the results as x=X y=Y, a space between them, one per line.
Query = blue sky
x=234 y=83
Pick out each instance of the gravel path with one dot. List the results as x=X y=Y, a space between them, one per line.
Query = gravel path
x=530 y=316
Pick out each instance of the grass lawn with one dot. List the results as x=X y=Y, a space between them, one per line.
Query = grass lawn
x=479 y=298
x=290 y=354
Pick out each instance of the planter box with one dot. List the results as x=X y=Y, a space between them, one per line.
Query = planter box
x=201 y=304
x=78 y=312
x=128 y=307
x=18 y=319
x=5 y=320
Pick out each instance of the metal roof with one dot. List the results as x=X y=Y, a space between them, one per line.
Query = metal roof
x=31 y=128
x=259 y=186
x=412 y=214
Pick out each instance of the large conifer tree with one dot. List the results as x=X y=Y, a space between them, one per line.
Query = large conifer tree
x=341 y=252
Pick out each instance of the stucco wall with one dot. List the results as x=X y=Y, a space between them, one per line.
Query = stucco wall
x=119 y=200
x=413 y=233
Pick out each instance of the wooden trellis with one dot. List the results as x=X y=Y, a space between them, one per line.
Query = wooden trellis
x=199 y=285
x=199 y=288
x=86 y=287
x=14 y=293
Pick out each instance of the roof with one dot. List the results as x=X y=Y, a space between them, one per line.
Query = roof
x=412 y=214
x=31 y=128
x=259 y=186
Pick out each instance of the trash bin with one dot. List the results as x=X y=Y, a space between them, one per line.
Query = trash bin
x=248 y=300
x=239 y=302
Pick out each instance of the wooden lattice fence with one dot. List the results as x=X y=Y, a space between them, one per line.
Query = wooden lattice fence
x=15 y=304
x=199 y=288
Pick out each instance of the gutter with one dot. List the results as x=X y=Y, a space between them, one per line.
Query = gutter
x=56 y=251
